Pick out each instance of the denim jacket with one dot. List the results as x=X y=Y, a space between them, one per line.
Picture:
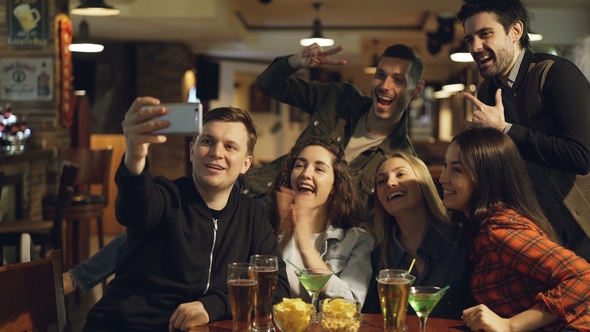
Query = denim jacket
x=335 y=110
x=348 y=253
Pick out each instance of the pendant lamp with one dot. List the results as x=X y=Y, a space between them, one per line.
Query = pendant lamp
x=317 y=36
x=461 y=53
x=95 y=8
x=82 y=42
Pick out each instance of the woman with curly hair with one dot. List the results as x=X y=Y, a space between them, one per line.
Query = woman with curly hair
x=316 y=213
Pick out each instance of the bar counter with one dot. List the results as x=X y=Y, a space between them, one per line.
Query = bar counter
x=371 y=323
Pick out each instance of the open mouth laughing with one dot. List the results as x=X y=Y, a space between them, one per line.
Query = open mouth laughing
x=395 y=195
x=383 y=100
x=483 y=59
x=305 y=189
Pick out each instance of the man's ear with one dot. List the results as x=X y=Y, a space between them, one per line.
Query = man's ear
x=191 y=149
x=247 y=164
x=517 y=29
x=418 y=89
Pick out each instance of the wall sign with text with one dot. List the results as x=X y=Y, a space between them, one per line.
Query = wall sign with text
x=26 y=78
x=26 y=22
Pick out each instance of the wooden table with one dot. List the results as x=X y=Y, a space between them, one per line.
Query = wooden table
x=371 y=323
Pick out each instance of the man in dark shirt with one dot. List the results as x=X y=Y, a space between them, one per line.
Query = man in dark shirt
x=542 y=102
x=182 y=234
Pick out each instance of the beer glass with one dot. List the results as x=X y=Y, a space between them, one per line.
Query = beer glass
x=393 y=295
x=267 y=269
x=241 y=284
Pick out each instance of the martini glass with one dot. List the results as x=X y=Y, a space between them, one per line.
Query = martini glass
x=423 y=299
x=314 y=280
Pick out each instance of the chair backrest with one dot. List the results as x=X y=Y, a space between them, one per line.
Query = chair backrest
x=32 y=295
x=69 y=174
x=95 y=168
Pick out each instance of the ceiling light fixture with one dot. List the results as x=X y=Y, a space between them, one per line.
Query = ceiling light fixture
x=317 y=36
x=375 y=60
x=440 y=94
x=94 y=8
x=453 y=87
x=533 y=36
x=461 y=53
x=81 y=41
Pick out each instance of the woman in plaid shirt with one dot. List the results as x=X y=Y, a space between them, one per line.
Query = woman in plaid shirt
x=523 y=278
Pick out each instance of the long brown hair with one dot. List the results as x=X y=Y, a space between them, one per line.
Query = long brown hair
x=493 y=162
x=384 y=223
x=343 y=207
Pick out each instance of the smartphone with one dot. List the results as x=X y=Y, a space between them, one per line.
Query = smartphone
x=184 y=118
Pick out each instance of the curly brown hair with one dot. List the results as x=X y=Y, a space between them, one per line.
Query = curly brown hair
x=343 y=207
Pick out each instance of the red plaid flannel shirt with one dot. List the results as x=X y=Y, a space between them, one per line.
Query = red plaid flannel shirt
x=517 y=267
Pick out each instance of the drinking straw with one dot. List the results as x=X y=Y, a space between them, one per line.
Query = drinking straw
x=442 y=290
x=411 y=265
x=295 y=266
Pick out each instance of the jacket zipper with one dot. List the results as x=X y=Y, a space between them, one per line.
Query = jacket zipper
x=211 y=255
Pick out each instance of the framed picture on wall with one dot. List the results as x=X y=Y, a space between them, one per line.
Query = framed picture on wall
x=27 y=22
x=26 y=79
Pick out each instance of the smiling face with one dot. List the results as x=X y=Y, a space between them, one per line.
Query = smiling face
x=392 y=88
x=495 y=52
x=312 y=176
x=219 y=155
x=458 y=187
x=398 y=187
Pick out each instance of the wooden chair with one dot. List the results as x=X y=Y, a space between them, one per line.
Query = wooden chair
x=85 y=206
x=44 y=232
x=32 y=295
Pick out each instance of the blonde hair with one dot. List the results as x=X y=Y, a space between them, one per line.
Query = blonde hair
x=384 y=222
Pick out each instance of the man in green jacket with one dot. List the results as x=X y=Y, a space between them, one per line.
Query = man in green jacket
x=369 y=127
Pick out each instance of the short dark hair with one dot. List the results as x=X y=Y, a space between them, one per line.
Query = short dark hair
x=344 y=205
x=507 y=11
x=405 y=52
x=233 y=114
x=501 y=178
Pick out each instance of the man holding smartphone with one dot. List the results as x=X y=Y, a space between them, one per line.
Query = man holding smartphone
x=370 y=127
x=183 y=233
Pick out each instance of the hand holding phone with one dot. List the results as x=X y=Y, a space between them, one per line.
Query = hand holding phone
x=183 y=118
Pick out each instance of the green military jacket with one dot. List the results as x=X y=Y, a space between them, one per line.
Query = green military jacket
x=335 y=110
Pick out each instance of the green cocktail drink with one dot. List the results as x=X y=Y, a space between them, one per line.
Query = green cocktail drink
x=423 y=299
x=314 y=280
x=423 y=303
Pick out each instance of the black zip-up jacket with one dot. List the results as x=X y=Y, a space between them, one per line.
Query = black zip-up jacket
x=177 y=252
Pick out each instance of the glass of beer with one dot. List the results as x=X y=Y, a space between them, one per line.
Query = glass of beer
x=267 y=269
x=241 y=284
x=394 y=289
